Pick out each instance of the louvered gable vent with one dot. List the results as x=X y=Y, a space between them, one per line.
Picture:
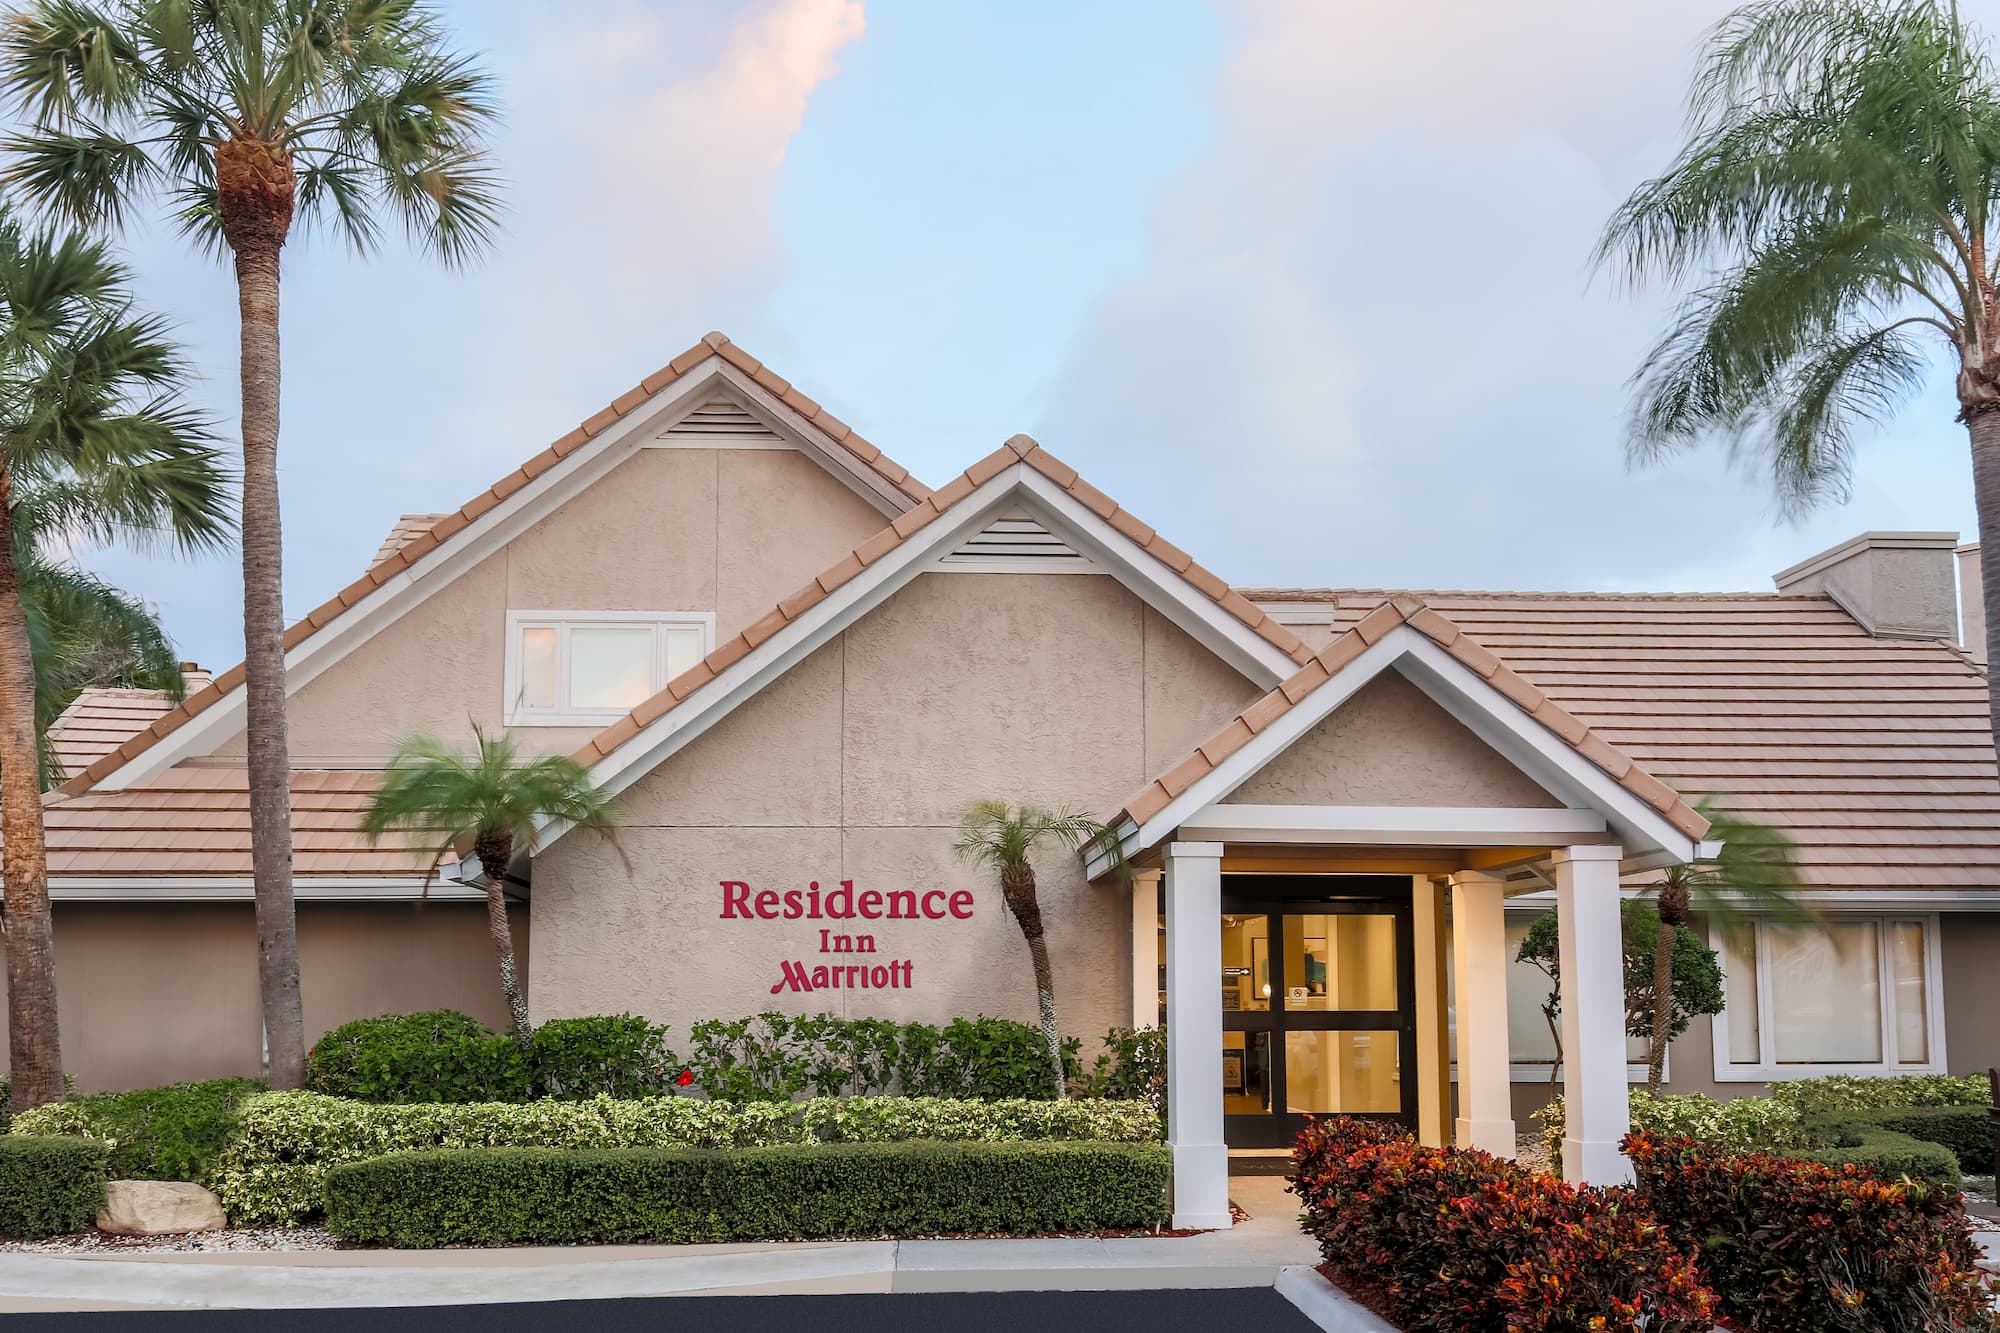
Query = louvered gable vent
x=723 y=420
x=1018 y=541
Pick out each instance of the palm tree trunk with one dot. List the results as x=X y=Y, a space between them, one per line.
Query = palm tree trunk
x=1983 y=424
x=1017 y=887
x=1663 y=1004
x=493 y=859
x=270 y=767
x=33 y=1044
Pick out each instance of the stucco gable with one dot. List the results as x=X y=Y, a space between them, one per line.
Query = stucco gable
x=1390 y=744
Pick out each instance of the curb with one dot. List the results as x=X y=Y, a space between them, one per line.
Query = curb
x=1327 y=1305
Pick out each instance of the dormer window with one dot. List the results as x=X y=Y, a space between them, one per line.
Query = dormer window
x=585 y=668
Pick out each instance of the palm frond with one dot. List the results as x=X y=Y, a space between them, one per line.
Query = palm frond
x=1000 y=836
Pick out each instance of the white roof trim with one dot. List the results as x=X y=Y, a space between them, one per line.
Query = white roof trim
x=1404 y=825
x=1541 y=755
x=204 y=733
x=232 y=889
x=1019 y=484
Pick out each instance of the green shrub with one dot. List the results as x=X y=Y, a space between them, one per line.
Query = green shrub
x=1131 y=1067
x=1744 y=1124
x=1848 y=1092
x=7 y=1098
x=49 y=1186
x=1801 y=1247
x=440 y=1056
x=526 y=1195
x=273 y=1171
x=1891 y=1155
x=615 y=1055
x=171 y=1133
x=1966 y=1130
x=778 y=1057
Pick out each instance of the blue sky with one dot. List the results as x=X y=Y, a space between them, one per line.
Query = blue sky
x=1303 y=284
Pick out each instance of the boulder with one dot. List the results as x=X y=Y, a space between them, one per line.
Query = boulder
x=158 y=1208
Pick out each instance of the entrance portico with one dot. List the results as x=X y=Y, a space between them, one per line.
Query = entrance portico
x=1346 y=1020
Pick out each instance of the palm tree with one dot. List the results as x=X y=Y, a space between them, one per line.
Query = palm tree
x=496 y=805
x=94 y=443
x=994 y=835
x=240 y=116
x=1755 y=874
x=1834 y=200
x=82 y=631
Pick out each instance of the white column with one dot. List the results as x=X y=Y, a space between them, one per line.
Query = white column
x=1596 y=1112
x=1479 y=967
x=1194 y=1034
x=1146 y=948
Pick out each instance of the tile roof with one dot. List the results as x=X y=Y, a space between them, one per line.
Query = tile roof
x=389 y=563
x=406 y=530
x=1354 y=639
x=1019 y=449
x=195 y=820
x=1876 y=753
x=101 y=719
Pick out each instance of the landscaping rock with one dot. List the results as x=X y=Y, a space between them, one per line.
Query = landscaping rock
x=158 y=1208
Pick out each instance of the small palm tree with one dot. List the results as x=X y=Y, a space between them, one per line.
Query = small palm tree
x=1001 y=837
x=1755 y=874
x=495 y=804
x=94 y=444
x=1834 y=202
x=239 y=117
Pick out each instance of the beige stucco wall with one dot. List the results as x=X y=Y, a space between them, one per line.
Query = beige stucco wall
x=1390 y=745
x=154 y=994
x=1057 y=689
x=1971 y=947
x=725 y=530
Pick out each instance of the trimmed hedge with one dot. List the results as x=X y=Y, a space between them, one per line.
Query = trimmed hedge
x=273 y=1170
x=172 y=1133
x=1800 y=1247
x=1852 y=1092
x=49 y=1186
x=1891 y=1155
x=1449 y=1240
x=510 y=1196
x=1966 y=1130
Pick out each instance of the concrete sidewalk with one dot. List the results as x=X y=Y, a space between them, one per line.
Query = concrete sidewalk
x=1249 y=1255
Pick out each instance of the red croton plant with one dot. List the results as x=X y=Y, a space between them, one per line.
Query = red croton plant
x=1461 y=1242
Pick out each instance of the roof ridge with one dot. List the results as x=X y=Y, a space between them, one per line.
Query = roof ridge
x=419 y=545
x=1407 y=608
x=1019 y=449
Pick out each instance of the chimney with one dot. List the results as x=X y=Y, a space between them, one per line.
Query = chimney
x=1899 y=585
x=1971 y=603
x=195 y=677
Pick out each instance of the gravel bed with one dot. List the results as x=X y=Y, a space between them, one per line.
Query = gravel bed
x=237 y=1238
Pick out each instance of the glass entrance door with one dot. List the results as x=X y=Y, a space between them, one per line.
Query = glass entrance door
x=1318 y=1005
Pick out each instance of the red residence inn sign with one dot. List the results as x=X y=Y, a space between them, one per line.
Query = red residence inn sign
x=845 y=903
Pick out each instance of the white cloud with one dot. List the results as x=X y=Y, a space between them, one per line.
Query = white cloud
x=1365 y=348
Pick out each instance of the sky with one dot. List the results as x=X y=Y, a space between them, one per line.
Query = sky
x=1304 y=285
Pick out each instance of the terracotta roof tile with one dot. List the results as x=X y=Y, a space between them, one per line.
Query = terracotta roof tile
x=1370 y=628
x=409 y=541
x=1875 y=754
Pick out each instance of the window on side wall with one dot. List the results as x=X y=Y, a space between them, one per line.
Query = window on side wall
x=585 y=668
x=1849 y=995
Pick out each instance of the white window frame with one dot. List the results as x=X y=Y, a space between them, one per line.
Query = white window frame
x=1766 y=1070
x=563 y=622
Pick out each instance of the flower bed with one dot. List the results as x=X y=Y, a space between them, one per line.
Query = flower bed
x=507 y=1196
x=1456 y=1240
x=1799 y=1247
x=273 y=1170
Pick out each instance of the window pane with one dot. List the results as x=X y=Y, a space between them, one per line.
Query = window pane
x=1350 y=1072
x=1826 y=994
x=610 y=667
x=1906 y=960
x=538 y=667
x=684 y=649
x=1340 y=961
x=1529 y=1040
x=1246 y=1073
x=1246 y=962
x=1739 y=991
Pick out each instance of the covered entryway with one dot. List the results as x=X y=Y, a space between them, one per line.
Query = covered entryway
x=1318 y=1003
x=1319 y=850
